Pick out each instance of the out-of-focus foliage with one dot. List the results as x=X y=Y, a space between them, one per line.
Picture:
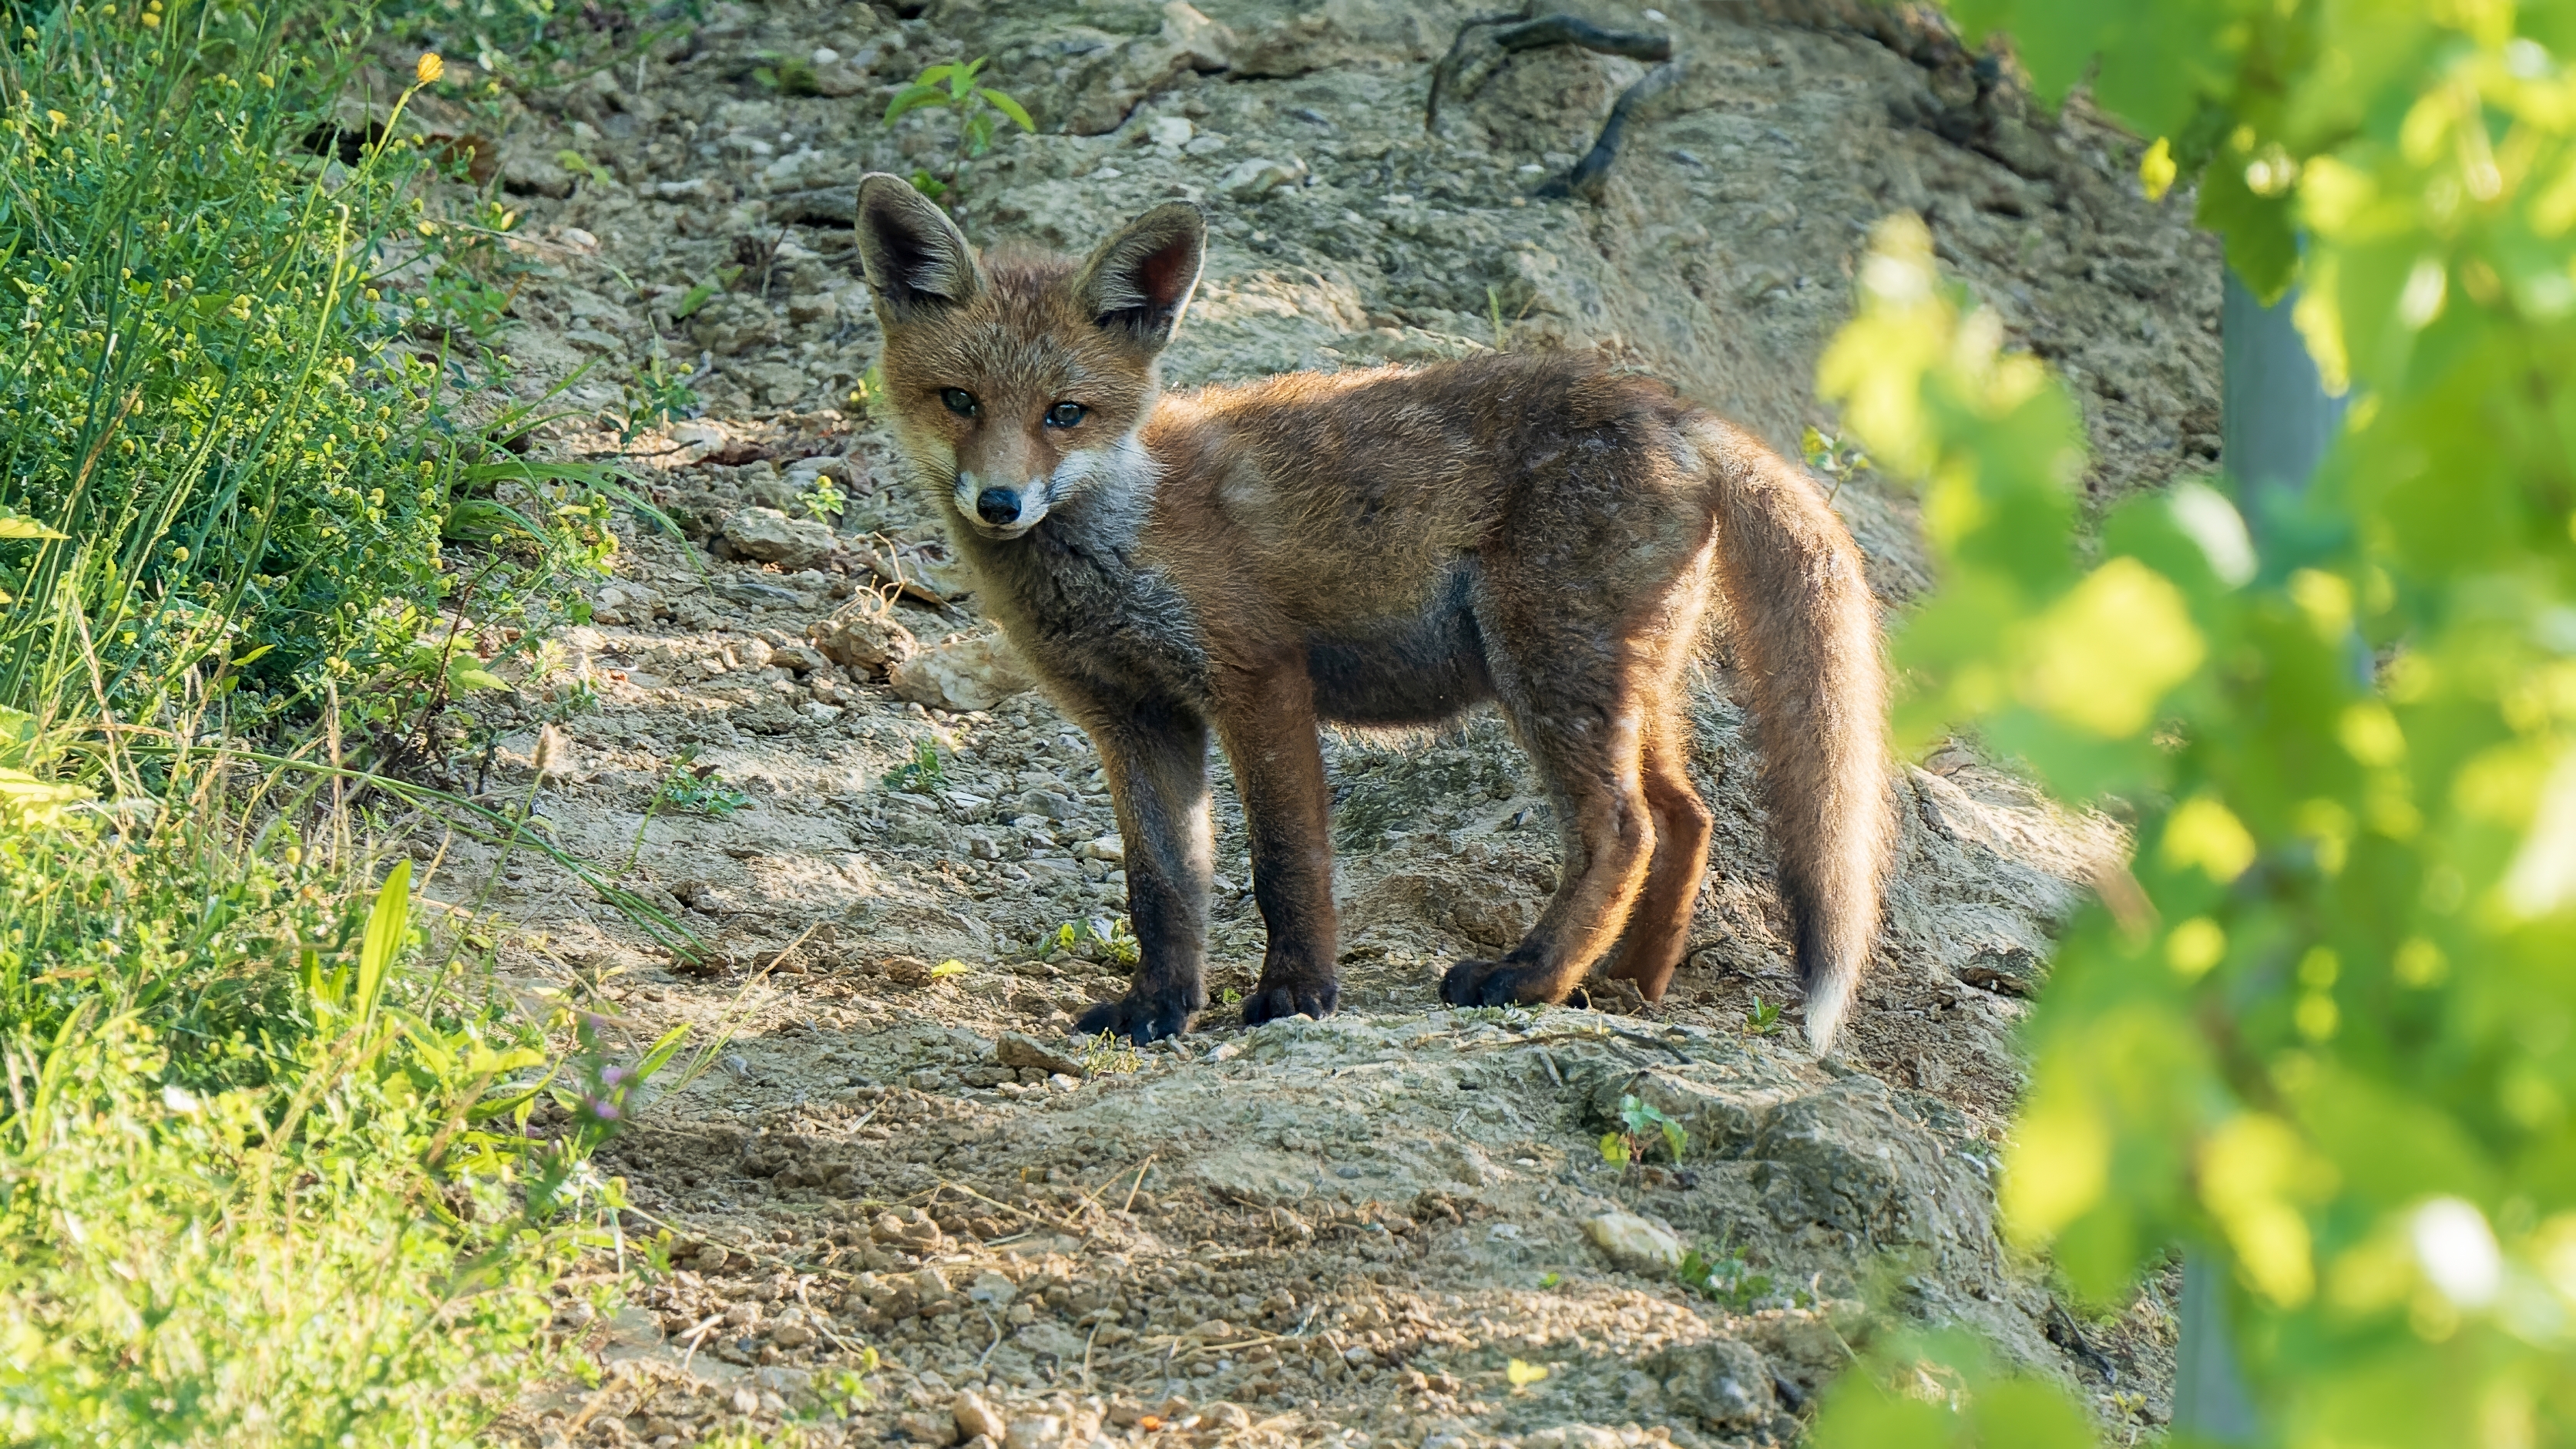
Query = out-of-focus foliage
x=2326 y=1024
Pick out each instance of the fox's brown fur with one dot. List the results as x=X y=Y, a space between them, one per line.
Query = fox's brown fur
x=1387 y=547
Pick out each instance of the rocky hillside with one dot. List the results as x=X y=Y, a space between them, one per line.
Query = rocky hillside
x=1348 y=1231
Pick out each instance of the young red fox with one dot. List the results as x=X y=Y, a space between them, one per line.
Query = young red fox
x=1385 y=547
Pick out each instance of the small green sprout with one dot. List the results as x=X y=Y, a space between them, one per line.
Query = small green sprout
x=920 y=773
x=699 y=789
x=1643 y=1123
x=979 y=111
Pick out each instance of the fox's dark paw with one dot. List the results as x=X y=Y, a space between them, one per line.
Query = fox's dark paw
x=1140 y=1016
x=1498 y=983
x=1272 y=1000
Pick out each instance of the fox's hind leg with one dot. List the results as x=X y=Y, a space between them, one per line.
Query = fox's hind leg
x=1583 y=721
x=1659 y=926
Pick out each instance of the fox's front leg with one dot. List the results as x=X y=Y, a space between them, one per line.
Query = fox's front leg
x=1156 y=760
x=1267 y=721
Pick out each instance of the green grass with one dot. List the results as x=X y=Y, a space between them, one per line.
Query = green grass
x=266 y=1173
x=276 y=1167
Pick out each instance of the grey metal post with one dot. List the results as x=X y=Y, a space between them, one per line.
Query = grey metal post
x=2209 y=1399
x=2277 y=423
x=2276 y=419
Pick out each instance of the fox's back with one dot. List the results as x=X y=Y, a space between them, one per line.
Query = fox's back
x=1353 y=495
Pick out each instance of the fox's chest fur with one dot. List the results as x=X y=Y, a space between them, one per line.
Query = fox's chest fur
x=1083 y=602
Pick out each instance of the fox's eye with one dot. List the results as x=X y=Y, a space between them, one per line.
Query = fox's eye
x=1065 y=415
x=959 y=401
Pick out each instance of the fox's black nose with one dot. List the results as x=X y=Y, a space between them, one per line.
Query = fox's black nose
x=997 y=506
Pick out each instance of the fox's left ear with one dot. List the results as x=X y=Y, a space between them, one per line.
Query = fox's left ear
x=1139 y=282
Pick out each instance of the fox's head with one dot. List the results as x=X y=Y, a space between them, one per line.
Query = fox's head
x=1018 y=386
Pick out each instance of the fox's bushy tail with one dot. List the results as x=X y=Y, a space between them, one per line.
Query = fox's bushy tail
x=1807 y=637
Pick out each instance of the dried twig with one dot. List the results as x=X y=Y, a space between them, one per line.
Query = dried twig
x=1522 y=31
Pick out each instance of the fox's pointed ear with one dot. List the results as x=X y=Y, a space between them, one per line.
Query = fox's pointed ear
x=1139 y=282
x=913 y=255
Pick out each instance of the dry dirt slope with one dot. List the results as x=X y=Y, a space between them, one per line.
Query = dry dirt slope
x=1343 y=1230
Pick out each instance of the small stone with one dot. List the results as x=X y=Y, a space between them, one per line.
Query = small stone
x=1037 y=1431
x=926 y=1281
x=803 y=658
x=1260 y=174
x=929 y=1427
x=975 y=1417
x=791 y=1335
x=1172 y=131
x=993 y=1290
x=1108 y=848
x=1014 y=1049
x=1049 y=805
x=1635 y=1243
x=770 y=536
x=1197 y=42
x=626 y=602
x=871 y=640
x=974 y=673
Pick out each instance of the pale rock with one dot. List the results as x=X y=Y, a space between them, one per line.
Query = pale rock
x=1036 y=1431
x=973 y=673
x=1197 y=42
x=772 y=537
x=1015 y=1049
x=1171 y=131
x=871 y=639
x=993 y=1290
x=1640 y=1244
x=1251 y=178
x=626 y=602
x=976 y=1418
x=840 y=81
x=803 y=658
x=695 y=440
x=1107 y=848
